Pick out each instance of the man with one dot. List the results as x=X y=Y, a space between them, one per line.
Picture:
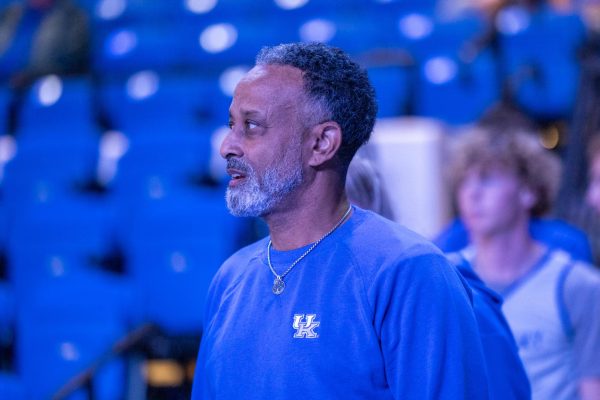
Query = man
x=337 y=302
x=40 y=37
x=502 y=180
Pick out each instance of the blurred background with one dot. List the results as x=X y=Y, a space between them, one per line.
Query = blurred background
x=112 y=212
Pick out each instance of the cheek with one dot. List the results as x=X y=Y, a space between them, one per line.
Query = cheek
x=464 y=199
x=501 y=201
x=489 y=200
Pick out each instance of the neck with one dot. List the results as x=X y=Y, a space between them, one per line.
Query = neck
x=505 y=256
x=311 y=213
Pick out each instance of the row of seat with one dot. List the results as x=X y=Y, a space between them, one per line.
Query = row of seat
x=427 y=59
x=83 y=272
x=436 y=70
x=111 y=11
x=85 y=265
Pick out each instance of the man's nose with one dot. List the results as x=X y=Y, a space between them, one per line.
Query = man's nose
x=230 y=147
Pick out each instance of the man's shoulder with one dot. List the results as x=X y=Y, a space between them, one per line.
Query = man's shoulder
x=382 y=235
x=380 y=247
x=238 y=261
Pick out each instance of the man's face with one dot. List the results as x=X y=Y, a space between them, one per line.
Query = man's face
x=593 y=191
x=264 y=145
x=490 y=201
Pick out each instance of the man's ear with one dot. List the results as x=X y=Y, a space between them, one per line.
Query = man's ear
x=325 y=139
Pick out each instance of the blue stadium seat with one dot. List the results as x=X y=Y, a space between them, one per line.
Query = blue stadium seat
x=128 y=48
x=11 y=386
x=392 y=89
x=313 y=7
x=152 y=102
x=355 y=34
x=538 y=53
x=66 y=324
x=54 y=346
x=454 y=91
x=165 y=158
x=445 y=85
x=214 y=45
x=48 y=167
x=56 y=105
x=423 y=34
x=217 y=9
x=173 y=247
x=58 y=239
x=406 y=4
x=127 y=11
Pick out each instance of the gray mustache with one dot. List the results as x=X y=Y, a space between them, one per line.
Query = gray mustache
x=238 y=164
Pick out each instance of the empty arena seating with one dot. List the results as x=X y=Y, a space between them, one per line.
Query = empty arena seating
x=55 y=343
x=147 y=101
x=58 y=105
x=48 y=166
x=173 y=246
x=443 y=78
x=539 y=56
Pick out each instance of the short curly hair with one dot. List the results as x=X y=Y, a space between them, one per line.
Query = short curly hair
x=338 y=88
x=518 y=151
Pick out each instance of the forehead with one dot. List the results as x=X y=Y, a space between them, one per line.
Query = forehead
x=265 y=86
x=492 y=168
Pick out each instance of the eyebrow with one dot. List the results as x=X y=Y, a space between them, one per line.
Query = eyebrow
x=250 y=113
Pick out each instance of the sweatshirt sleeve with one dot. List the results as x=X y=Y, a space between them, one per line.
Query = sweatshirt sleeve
x=429 y=338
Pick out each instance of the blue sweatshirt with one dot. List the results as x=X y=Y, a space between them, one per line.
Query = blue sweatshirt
x=507 y=379
x=373 y=312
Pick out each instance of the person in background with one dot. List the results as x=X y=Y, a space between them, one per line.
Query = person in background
x=40 y=37
x=501 y=181
x=365 y=187
x=553 y=232
x=337 y=302
x=593 y=190
x=506 y=375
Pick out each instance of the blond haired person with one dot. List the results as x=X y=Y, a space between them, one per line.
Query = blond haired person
x=501 y=181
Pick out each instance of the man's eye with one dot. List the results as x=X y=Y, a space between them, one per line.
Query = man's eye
x=230 y=124
x=251 y=124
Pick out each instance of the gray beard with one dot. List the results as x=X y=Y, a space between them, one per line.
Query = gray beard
x=257 y=197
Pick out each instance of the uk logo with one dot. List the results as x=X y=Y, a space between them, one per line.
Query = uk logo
x=305 y=326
